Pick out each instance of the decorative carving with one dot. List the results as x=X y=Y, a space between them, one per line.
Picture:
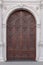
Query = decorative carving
x=37 y=8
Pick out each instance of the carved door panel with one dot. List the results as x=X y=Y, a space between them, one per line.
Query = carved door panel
x=21 y=36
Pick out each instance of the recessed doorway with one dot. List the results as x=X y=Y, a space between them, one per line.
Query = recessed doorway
x=21 y=35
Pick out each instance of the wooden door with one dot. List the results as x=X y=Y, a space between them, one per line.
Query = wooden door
x=21 y=36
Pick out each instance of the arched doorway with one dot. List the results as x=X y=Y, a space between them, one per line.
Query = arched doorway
x=21 y=35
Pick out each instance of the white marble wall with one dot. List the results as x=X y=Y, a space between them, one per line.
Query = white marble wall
x=41 y=41
x=36 y=7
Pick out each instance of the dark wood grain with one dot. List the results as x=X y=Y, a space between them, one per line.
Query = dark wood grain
x=21 y=36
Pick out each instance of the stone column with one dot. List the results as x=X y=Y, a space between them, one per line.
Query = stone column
x=41 y=32
x=1 y=44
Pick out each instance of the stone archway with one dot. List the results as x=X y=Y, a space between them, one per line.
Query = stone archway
x=21 y=35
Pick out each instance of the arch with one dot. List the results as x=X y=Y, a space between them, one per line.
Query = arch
x=37 y=22
x=26 y=8
x=32 y=28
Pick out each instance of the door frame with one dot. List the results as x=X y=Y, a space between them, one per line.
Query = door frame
x=37 y=29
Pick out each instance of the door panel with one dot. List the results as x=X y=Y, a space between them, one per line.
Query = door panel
x=21 y=36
